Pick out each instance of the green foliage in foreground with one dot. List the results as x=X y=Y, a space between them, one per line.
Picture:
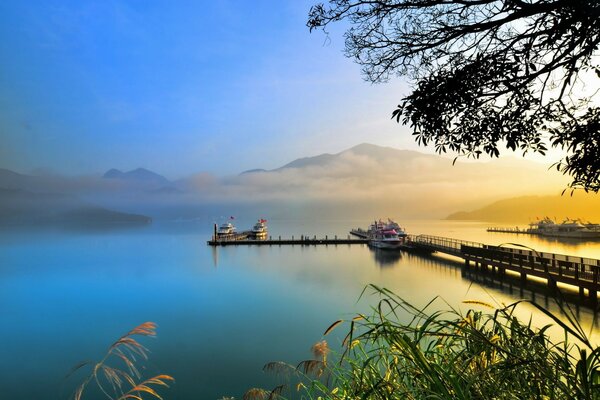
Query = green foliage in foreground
x=451 y=355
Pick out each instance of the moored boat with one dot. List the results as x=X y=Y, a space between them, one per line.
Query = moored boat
x=226 y=229
x=567 y=229
x=386 y=239
x=259 y=230
x=386 y=235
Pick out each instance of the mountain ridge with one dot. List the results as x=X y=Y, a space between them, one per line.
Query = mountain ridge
x=523 y=209
x=138 y=175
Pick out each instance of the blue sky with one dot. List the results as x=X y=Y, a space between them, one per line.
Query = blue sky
x=179 y=87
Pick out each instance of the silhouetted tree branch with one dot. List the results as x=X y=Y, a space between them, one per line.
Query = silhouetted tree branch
x=486 y=73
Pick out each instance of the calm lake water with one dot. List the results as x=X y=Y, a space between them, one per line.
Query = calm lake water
x=222 y=313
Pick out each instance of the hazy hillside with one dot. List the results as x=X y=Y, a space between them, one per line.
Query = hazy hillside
x=529 y=208
x=139 y=175
x=23 y=208
x=365 y=179
x=402 y=181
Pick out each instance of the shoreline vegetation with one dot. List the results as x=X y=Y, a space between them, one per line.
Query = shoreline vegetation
x=440 y=353
x=444 y=355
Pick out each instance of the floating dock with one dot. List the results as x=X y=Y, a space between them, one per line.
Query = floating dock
x=510 y=230
x=361 y=233
x=582 y=273
x=239 y=239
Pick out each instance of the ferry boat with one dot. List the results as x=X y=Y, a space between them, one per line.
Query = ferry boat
x=377 y=226
x=567 y=229
x=386 y=235
x=389 y=226
x=259 y=230
x=386 y=239
x=226 y=229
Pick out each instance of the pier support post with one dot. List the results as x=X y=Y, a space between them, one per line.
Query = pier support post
x=467 y=264
x=551 y=284
x=523 y=277
x=593 y=296
x=581 y=292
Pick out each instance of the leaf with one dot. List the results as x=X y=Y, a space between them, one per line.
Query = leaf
x=332 y=326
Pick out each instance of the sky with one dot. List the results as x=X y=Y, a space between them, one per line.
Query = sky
x=180 y=87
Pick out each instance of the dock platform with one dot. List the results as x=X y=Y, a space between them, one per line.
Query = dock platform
x=582 y=273
x=509 y=230
x=361 y=233
x=303 y=240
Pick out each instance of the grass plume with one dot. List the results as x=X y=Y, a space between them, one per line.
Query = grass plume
x=124 y=382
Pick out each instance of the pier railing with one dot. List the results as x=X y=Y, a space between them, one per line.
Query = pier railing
x=580 y=271
x=443 y=244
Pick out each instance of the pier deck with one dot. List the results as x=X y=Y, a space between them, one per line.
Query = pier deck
x=516 y=230
x=361 y=233
x=303 y=240
x=581 y=272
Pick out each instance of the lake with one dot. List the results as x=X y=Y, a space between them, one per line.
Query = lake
x=222 y=313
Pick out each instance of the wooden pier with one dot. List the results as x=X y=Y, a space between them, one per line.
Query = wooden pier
x=516 y=230
x=582 y=273
x=302 y=240
x=361 y=233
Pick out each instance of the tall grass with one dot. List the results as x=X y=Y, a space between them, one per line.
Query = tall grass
x=451 y=355
x=117 y=375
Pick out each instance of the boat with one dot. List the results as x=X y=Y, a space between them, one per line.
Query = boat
x=377 y=226
x=386 y=239
x=226 y=229
x=569 y=228
x=389 y=226
x=259 y=230
x=386 y=235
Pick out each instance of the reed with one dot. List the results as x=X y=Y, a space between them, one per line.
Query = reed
x=450 y=354
x=124 y=381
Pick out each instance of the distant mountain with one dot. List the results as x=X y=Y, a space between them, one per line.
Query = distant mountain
x=319 y=160
x=384 y=178
x=364 y=150
x=253 y=171
x=22 y=208
x=13 y=180
x=529 y=208
x=140 y=175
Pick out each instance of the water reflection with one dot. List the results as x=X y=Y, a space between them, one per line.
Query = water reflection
x=510 y=284
x=386 y=258
x=262 y=303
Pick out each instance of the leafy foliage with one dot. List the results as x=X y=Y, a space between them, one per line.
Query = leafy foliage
x=450 y=355
x=486 y=73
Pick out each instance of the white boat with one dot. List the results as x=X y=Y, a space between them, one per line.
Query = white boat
x=386 y=239
x=567 y=229
x=391 y=224
x=226 y=229
x=259 y=230
x=388 y=226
